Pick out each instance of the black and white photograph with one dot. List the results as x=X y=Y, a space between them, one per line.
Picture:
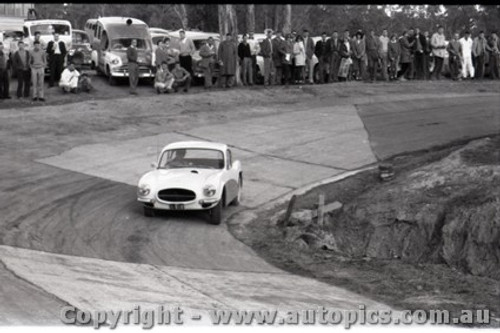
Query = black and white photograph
x=249 y=166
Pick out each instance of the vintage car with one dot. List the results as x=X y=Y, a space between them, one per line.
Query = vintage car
x=80 y=53
x=192 y=175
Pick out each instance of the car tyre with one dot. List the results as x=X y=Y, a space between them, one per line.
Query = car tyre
x=149 y=212
x=215 y=217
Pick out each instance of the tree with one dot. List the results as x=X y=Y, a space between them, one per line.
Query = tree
x=287 y=21
x=181 y=12
x=250 y=18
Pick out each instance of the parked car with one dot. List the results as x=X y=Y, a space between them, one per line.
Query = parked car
x=192 y=175
x=47 y=28
x=112 y=37
x=80 y=52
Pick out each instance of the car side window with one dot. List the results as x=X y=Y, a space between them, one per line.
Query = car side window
x=229 y=159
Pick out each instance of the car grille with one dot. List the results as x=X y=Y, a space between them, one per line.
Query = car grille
x=143 y=69
x=176 y=195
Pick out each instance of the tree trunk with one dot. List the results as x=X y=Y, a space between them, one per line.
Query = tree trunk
x=181 y=12
x=250 y=19
x=266 y=17
x=228 y=23
x=277 y=9
x=287 y=24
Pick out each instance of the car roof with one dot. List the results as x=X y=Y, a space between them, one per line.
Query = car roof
x=195 y=34
x=119 y=19
x=50 y=21
x=79 y=31
x=196 y=144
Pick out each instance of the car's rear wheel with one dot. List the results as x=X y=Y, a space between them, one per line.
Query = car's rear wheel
x=216 y=214
x=149 y=212
x=237 y=200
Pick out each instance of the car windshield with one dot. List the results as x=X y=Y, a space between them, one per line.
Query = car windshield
x=192 y=158
x=80 y=38
x=48 y=29
x=123 y=43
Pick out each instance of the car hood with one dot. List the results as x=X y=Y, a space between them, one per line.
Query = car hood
x=190 y=178
x=142 y=56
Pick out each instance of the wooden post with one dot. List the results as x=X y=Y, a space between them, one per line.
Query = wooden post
x=321 y=208
x=290 y=209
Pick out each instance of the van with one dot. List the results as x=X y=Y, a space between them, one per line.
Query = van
x=112 y=37
x=47 y=28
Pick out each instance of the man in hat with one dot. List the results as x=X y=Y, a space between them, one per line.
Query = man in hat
x=227 y=56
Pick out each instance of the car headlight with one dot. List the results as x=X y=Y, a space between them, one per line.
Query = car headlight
x=115 y=61
x=143 y=190
x=209 y=190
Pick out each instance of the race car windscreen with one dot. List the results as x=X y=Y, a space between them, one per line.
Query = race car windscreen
x=49 y=29
x=192 y=158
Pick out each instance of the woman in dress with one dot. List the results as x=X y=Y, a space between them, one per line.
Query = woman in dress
x=299 y=54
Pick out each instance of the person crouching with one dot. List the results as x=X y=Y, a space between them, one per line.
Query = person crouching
x=163 y=79
x=182 y=78
x=69 y=79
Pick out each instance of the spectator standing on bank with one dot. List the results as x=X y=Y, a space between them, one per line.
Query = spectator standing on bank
x=4 y=74
x=394 y=55
x=405 y=58
x=36 y=38
x=133 y=67
x=345 y=54
x=288 y=60
x=182 y=78
x=160 y=54
x=384 y=49
x=38 y=62
x=172 y=54
x=419 y=54
x=479 y=49
x=266 y=51
x=373 y=53
x=254 y=51
x=299 y=54
x=333 y=47
x=455 y=57
x=427 y=55
x=494 y=49
x=227 y=56
x=279 y=51
x=245 y=59
x=466 y=56
x=321 y=52
x=56 y=50
x=186 y=51
x=438 y=43
x=208 y=56
x=359 y=56
x=309 y=46
x=21 y=65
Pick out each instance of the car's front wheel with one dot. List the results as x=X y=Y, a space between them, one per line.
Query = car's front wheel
x=216 y=214
x=149 y=212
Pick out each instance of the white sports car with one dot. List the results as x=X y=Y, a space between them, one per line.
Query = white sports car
x=192 y=175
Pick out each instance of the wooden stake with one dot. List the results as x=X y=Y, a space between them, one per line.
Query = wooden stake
x=321 y=208
x=290 y=209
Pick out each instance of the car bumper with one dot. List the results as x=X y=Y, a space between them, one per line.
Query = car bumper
x=201 y=204
x=144 y=72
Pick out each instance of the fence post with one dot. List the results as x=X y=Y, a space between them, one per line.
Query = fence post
x=290 y=209
x=321 y=208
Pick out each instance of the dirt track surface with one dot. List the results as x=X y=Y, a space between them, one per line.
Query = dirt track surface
x=50 y=209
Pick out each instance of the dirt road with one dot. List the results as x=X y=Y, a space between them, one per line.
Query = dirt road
x=69 y=169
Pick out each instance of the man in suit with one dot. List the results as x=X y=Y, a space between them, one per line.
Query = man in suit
x=359 y=56
x=321 y=53
x=4 y=74
x=266 y=51
x=419 y=51
x=21 y=65
x=309 y=48
x=279 y=51
x=479 y=49
x=208 y=54
x=333 y=47
x=56 y=49
x=133 y=67
x=373 y=54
